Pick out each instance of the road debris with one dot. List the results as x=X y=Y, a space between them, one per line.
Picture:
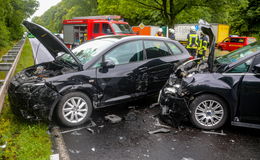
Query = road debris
x=232 y=140
x=113 y=118
x=91 y=130
x=4 y=145
x=74 y=151
x=158 y=124
x=131 y=116
x=76 y=133
x=146 y=155
x=161 y=130
x=93 y=149
x=54 y=157
x=101 y=126
x=216 y=133
x=184 y=158
x=153 y=105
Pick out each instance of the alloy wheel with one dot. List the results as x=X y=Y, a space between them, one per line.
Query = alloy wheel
x=75 y=109
x=209 y=113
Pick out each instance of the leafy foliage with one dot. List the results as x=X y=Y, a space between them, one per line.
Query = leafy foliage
x=24 y=140
x=12 y=13
x=66 y=9
x=242 y=15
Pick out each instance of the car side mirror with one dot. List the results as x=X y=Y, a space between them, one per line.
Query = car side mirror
x=256 y=68
x=108 y=63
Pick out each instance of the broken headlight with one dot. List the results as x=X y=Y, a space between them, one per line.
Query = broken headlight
x=172 y=80
x=170 y=90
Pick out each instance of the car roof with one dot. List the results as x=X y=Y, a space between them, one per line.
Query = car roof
x=242 y=37
x=134 y=37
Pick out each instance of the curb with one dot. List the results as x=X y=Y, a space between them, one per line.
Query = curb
x=59 y=143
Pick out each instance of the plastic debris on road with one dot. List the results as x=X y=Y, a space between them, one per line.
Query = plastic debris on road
x=113 y=118
x=161 y=130
x=93 y=149
x=216 y=133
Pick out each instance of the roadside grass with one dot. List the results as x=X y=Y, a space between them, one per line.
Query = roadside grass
x=24 y=140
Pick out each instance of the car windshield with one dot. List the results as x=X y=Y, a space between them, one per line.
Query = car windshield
x=87 y=51
x=239 y=53
x=122 y=28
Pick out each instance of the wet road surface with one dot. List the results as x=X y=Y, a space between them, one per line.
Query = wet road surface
x=130 y=140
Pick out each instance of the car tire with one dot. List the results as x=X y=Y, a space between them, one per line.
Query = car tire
x=208 y=112
x=74 y=109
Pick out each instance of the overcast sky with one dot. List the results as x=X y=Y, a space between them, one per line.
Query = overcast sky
x=44 y=6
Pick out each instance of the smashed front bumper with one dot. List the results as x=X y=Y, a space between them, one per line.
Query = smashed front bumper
x=32 y=102
x=173 y=107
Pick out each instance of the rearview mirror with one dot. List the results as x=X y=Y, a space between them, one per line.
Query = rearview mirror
x=256 y=68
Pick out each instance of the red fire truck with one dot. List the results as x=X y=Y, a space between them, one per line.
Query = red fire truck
x=80 y=29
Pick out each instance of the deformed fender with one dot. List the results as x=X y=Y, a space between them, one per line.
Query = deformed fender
x=87 y=89
x=223 y=86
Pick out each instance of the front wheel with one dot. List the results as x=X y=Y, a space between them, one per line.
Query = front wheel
x=208 y=112
x=74 y=109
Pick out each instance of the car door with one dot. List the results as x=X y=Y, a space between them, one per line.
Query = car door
x=225 y=44
x=249 y=107
x=160 y=62
x=119 y=82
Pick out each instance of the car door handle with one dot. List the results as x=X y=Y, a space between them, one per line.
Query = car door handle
x=143 y=69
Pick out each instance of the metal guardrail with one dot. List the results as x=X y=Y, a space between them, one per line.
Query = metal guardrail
x=15 y=53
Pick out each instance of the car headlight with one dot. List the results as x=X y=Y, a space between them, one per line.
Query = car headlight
x=170 y=90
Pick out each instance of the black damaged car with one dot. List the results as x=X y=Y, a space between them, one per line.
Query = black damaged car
x=102 y=72
x=210 y=93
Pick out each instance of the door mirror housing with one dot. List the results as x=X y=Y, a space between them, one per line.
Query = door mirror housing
x=108 y=63
x=256 y=68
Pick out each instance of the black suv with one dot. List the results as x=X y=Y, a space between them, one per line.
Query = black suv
x=102 y=72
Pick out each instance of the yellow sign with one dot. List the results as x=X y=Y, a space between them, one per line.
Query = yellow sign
x=141 y=25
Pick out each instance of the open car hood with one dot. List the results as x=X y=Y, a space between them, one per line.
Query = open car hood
x=206 y=28
x=49 y=40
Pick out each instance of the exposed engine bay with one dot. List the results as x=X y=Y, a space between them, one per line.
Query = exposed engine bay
x=44 y=71
x=191 y=67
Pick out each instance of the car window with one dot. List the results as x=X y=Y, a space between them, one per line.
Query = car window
x=227 y=40
x=126 y=53
x=175 y=50
x=96 y=28
x=242 y=68
x=237 y=40
x=89 y=50
x=239 y=53
x=106 y=28
x=155 y=49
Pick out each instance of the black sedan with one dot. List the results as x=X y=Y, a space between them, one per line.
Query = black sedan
x=102 y=72
x=211 y=93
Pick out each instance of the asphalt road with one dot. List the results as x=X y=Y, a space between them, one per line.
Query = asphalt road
x=129 y=139
x=41 y=54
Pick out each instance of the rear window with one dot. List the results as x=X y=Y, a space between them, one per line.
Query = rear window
x=155 y=49
x=237 y=40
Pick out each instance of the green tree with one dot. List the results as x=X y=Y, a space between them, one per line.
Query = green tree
x=66 y=9
x=12 y=13
x=245 y=20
